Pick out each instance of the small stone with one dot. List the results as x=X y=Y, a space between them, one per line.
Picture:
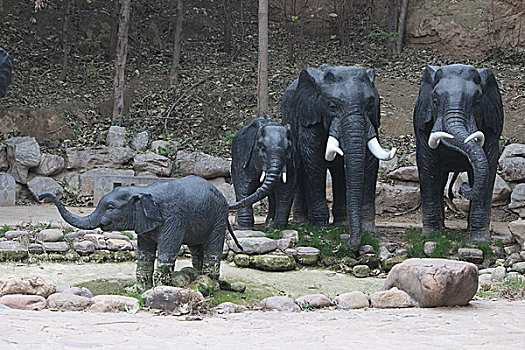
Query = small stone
x=116 y=136
x=313 y=301
x=80 y=291
x=173 y=299
x=498 y=274
x=242 y=260
x=406 y=173
x=228 y=308
x=284 y=243
x=68 y=302
x=113 y=303
x=115 y=235
x=238 y=287
x=180 y=279
x=255 y=245
x=517 y=199
x=153 y=163
x=84 y=246
x=384 y=253
x=165 y=148
x=7 y=190
x=224 y=284
x=119 y=245
x=485 y=282
x=279 y=303
x=140 y=141
x=307 y=255
x=385 y=166
x=515 y=248
x=387 y=264
x=15 y=235
x=429 y=248
x=472 y=255
x=371 y=260
x=203 y=284
x=273 y=262
x=392 y=298
x=291 y=234
x=33 y=284
x=55 y=247
x=24 y=302
x=190 y=271
x=50 y=235
x=352 y=300
x=97 y=239
x=361 y=271
x=366 y=249
x=519 y=267
x=348 y=261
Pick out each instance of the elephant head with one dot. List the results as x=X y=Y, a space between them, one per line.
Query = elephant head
x=124 y=208
x=267 y=147
x=6 y=71
x=345 y=102
x=458 y=108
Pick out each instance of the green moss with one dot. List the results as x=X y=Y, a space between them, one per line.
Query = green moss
x=13 y=255
x=4 y=229
x=252 y=295
x=274 y=233
x=447 y=242
x=486 y=247
x=108 y=286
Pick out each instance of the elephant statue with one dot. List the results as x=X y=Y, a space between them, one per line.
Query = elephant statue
x=263 y=151
x=6 y=71
x=334 y=110
x=458 y=119
x=164 y=215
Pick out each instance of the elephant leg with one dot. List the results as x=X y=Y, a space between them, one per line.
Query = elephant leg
x=284 y=199
x=213 y=250
x=169 y=243
x=271 y=210
x=316 y=187
x=369 y=194
x=300 y=204
x=244 y=215
x=339 y=211
x=197 y=257
x=430 y=176
x=146 y=252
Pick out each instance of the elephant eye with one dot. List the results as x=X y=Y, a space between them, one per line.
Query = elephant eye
x=110 y=206
x=477 y=98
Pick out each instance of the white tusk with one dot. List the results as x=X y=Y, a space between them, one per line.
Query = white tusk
x=332 y=147
x=284 y=178
x=435 y=138
x=478 y=136
x=378 y=151
x=263 y=175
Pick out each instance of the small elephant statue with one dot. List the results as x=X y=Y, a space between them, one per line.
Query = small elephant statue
x=458 y=119
x=6 y=71
x=263 y=151
x=164 y=215
x=334 y=110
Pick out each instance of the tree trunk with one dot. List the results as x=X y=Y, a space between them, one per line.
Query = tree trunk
x=177 y=44
x=262 y=82
x=66 y=47
x=392 y=21
x=227 y=26
x=369 y=26
x=114 y=29
x=401 y=26
x=120 y=61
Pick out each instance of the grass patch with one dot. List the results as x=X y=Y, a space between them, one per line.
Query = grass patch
x=274 y=233
x=137 y=296
x=252 y=296
x=368 y=239
x=127 y=234
x=512 y=287
x=447 y=242
x=108 y=286
x=4 y=229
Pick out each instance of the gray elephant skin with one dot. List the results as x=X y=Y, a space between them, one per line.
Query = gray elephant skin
x=164 y=215
x=335 y=110
x=263 y=151
x=458 y=120
x=6 y=71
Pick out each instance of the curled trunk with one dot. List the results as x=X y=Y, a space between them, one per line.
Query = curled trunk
x=86 y=223
x=272 y=177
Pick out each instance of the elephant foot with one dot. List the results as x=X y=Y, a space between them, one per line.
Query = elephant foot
x=480 y=236
x=340 y=221
x=196 y=262
x=162 y=276
x=431 y=229
x=144 y=275
x=211 y=269
x=319 y=222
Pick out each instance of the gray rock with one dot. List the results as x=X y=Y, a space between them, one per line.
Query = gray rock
x=429 y=248
x=11 y=246
x=68 y=302
x=119 y=244
x=512 y=259
x=512 y=162
x=4 y=164
x=352 y=300
x=34 y=284
x=361 y=271
x=238 y=287
x=384 y=253
x=153 y=163
x=84 y=246
x=242 y=260
x=517 y=229
x=292 y=234
x=486 y=271
x=201 y=164
x=366 y=249
x=56 y=247
x=517 y=200
x=411 y=158
x=44 y=184
x=85 y=182
x=50 y=164
x=7 y=190
x=97 y=239
x=307 y=255
x=139 y=142
x=98 y=157
x=501 y=192
x=228 y=308
x=435 y=282
x=248 y=233
x=13 y=235
x=313 y=301
x=472 y=255
x=396 y=198
x=116 y=136
x=50 y=235
x=23 y=153
x=115 y=235
x=279 y=303
x=385 y=166
x=228 y=192
x=80 y=291
x=113 y=303
x=511 y=249
x=498 y=274
x=485 y=282
x=406 y=173
x=165 y=148
x=272 y=262
x=519 y=267
x=284 y=243
x=391 y=298
x=255 y=245
x=24 y=302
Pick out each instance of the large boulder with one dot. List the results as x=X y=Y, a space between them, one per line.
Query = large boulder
x=173 y=299
x=139 y=142
x=98 y=157
x=24 y=302
x=279 y=303
x=517 y=200
x=50 y=164
x=33 y=284
x=116 y=136
x=44 y=184
x=85 y=182
x=153 y=163
x=435 y=282
x=273 y=262
x=512 y=162
x=352 y=300
x=68 y=302
x=313 y=301
x=396 y=198
x=23 y=153
x=201 y=164
x=406 y=173
x=254 y=245
x=517 y=229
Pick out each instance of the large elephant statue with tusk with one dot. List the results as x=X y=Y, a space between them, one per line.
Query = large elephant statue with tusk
x=334 y=113
x=263 y=165
x=458 y=120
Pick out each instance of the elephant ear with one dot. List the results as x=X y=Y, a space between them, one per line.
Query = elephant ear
x=423 y=109
x=375 y=116
x=307 y=102
x=491 y=104
x=146 y=213
x=244 y=141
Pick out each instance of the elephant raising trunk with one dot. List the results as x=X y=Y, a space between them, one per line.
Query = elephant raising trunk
x=86 y=223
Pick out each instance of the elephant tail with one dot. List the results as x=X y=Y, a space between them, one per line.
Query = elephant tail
x=233 y=235
x=451 y=185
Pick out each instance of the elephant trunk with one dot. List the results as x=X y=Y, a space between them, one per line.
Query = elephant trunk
x=272 y=177
x=86 y=223
x=469 y=144
x=353 y=143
